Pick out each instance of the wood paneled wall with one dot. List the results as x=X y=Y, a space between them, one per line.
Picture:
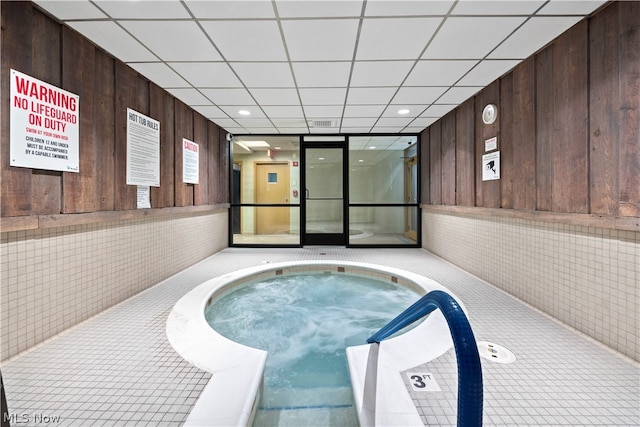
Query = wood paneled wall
x=36 y=45
x=568 y=128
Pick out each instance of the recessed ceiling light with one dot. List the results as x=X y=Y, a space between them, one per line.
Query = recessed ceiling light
x=320 y=158
x=277 y=148
x=361 y=160
x=372 y=148
x=244 y=112
x=403 y=111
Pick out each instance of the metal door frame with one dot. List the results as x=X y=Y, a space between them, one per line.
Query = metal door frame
x=333 y=239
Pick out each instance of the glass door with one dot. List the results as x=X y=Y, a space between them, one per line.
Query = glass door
x=324 y=208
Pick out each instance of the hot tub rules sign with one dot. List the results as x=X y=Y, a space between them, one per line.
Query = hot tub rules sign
x=44 y=125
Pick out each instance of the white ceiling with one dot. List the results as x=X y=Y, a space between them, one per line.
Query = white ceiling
x=352 y=64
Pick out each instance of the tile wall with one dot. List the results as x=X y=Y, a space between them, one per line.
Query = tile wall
x=53 y=279
x=588 y=278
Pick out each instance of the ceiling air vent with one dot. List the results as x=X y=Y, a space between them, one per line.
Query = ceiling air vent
x=322 y=123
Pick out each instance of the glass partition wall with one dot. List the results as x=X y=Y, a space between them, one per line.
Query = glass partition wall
x=325 y=190
x=265 y=191
x=383 y=191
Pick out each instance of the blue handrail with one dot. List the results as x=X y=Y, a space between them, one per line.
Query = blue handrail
x=469 y=367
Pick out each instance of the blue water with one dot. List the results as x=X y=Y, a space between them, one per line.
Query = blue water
x=306 y=322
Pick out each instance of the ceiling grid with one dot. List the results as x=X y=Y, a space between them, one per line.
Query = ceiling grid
x=354 y=66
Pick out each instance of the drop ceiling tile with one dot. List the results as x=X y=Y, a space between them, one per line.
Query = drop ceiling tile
x=207 y=74
x=355 y=130
x=170 y=39
x=189 y=96
x=283 y=111
x=318 y=9
x=233 y=111
x=323 y=96
x=276 y=96
x=359 y=121
x=457 y=95
x=438 y=110
x=289 y=123
x=533 y=35
x=228 y=123
x=408 y=8
x=570 y=7
x=486 y=72
x=363 y=110
x=319 y=40
x=470 y=38
x=322 y=74
x=264 y=74
x=438 y=73
x=499 y=7
x=235 y=96
x=379 y=73
x=323 y=111
x=394 y=121
x=159 y=73
x=252 y=123
x=226 y=9
x=263 y=130
x=395 y=38
x=247 y=40
x=370 y=95
x=418 y=95
x=210 y=111
x=387 y=129
x=64 y=10
x=320 y=57
x=293 y=129
x=414 y=110
x=149 y=9
x=114 y=40
x=412 y=129
x=234 y=129
x=423 y=122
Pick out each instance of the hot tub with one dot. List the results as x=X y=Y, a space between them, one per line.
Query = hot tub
x=233 y=392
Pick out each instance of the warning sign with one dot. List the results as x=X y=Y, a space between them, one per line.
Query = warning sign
x=44 y=125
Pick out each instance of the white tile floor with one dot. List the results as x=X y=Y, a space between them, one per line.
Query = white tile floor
x=118 y=368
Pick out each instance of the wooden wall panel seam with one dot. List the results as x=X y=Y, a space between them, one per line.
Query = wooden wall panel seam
x=568 y=127
x=29 y=45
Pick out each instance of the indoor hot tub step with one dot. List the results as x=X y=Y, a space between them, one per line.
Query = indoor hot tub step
x=307 y=407
x=307 y=398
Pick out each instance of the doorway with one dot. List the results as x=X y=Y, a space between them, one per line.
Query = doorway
x=329 y=190
x=324 y=213
x=272 y=188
